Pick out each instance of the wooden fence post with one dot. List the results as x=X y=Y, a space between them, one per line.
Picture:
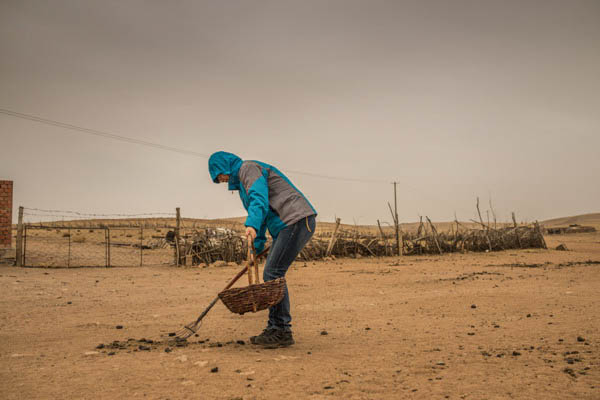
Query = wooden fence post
x=177 y=226
x=486 y=228
x=434 y=233
x=69 y=254
x=19 y=254
x=516 y=230
x=24 y=244
x=332 y=240
x=108 y=245
x=383 y=237
x=141 y=245
x=399 y=250
x=401 y=240
x=399 y=245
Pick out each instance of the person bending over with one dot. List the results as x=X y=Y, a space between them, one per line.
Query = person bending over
x=272 y=203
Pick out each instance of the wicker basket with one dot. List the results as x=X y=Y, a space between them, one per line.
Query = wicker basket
x=255 y=297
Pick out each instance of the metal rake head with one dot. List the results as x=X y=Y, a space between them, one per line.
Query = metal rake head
x=187 y=331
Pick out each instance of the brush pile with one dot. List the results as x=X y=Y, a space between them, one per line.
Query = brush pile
x=428 y=242
x=207 y=247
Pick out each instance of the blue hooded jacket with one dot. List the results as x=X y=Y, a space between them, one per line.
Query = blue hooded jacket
x=269 y=197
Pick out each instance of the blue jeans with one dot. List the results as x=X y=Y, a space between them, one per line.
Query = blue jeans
x=284 y=250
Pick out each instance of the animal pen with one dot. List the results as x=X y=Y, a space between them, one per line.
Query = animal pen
x=84 y=240
x=170 y=240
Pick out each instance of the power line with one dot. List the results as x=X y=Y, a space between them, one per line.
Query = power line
x=163 y=147
x=100 y=133
x=337 y=178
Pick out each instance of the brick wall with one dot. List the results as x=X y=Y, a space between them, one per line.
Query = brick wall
x=6 y=203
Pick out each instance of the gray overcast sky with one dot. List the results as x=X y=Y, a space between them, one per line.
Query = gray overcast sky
x=453 y=99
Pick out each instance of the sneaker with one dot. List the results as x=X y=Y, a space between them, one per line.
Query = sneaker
x=275 y=338
x=265 y=332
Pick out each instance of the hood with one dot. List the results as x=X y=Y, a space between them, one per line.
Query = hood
x=225 y=163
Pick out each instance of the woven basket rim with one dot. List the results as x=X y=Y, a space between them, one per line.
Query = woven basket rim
x=254 y=297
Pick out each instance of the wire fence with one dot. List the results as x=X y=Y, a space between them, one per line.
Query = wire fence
x=58 y=238
x=68 y=239
x=63 y=246
x=55 y=238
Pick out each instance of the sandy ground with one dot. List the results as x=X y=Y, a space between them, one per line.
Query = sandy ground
x=477 y=326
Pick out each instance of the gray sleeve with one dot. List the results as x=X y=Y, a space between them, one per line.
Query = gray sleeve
x=249 y=173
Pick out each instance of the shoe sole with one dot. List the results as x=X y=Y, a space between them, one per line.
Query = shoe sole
x=253 y=339
x=276 y=345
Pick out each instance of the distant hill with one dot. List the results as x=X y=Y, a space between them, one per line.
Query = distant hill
x=237 y=223
x=584 y=219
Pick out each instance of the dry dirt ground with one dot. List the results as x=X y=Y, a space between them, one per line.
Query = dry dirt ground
x=515 y=324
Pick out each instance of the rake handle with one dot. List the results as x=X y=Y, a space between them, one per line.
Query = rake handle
x=230 y=284
x=249 y=260
x=207 y=309
x=255 y=260
x=253 y=277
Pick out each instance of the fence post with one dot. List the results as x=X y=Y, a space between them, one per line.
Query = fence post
x=383 y=237
x=177 y=225
x=69 y=256
x=108 y=245
x=434 y=233
x=19 y=254
x=141 y=245
x=332 y=240
x=399 y=249
x=24 y=244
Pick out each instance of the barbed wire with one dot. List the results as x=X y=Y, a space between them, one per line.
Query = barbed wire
x=53 y=216
x=96 y=215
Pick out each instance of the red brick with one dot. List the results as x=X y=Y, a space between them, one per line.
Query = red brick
x=6 y=203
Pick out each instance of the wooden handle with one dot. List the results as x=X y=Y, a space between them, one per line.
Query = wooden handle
x=255 y=259
x=249 y=265
x=252 y=258
x=243 y=271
